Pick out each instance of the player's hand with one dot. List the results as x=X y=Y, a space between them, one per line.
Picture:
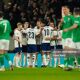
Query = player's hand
x=65 y=30
x=42 y=28
x=47 y=38
x=61 y=20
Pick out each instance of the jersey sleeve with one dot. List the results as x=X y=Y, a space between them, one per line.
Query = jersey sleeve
x=16 y=33
x=37 y=31
x=76 y=22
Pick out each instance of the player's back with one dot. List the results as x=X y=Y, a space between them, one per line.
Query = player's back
x=31 y=34
x=5 y=29
x=46 y=33
x=17 y=34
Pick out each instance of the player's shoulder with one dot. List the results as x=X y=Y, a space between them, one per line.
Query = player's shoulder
x=35 y=27
x=60 y=31
x=28 y=29
x=5 y=20
x=77 y=20
x=71 y=16
x=51 y=28
x=16 y=30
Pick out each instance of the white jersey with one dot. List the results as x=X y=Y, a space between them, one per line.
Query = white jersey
x=46 y=32
x=59 y=37
x=38 y=38
x=24 y=39
x=31 y=35
x=52 y=43
x=18 y=34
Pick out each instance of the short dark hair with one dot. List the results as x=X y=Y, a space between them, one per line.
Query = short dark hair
x=65 y=6
x=1 y=13
x=77 y=10
x=19 y=23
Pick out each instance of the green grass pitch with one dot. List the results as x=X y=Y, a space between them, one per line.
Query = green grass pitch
x=40 y=74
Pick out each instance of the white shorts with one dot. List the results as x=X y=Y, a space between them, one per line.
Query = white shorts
x=68 y=42
x=4 y=44
x=77 y=45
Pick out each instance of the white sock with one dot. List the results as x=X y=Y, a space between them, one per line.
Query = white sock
x=14 y=61
x=10 y=63
x=17 y=61
x=34 y=59
x=48 y=59
x=24 y=61
x=44 y=60
x=58 y=60
x=20 y=60
x=2 y=67
x=42 y=63
x=28 y=59
x=55 y=61
x=36 y=62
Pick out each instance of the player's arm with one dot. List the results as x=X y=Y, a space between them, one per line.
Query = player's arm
x=17 y=39
x=61 y=20
x=60 y=23
x=51 y=37
x=71 y=28
x=40 y=32
x=16 y=36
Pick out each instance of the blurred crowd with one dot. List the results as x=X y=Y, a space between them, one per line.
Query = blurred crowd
x=33 y=10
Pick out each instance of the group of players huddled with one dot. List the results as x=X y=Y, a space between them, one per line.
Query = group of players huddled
x=42 y=39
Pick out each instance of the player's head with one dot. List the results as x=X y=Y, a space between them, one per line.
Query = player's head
x=42 y=23
x=26 y=25
x=1 y=14
x=19 y=26
x=76 y=11
x=51 y=24
x=38 y=23
x=66 y=10
x=32 y=24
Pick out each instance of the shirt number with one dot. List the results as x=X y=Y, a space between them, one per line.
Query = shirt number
x=5 y=27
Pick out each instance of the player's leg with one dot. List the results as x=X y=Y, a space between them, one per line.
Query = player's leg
x=28 y=59
x=59 y=48
x=69 y=46
x=17 y=58
x=8 y=58
x=38 y=52
x=55 y=60
x=64 y=44
x=37 y=55
x=1 y=56
x=44 y=62
x=48 y=49
x=56 y=56
x=34 y=51
x=6 y=55
x=2 y=68
x=29 y=55
x=24 y=50
x=33 y=59
x=77 y=44
x=51 y=54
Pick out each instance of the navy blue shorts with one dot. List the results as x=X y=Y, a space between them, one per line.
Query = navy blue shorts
x=18 y=49
x=45 y=47
x=38 y=48
x=59 y=47
x=52 y=47
x=31 y=48
x=24 y=48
